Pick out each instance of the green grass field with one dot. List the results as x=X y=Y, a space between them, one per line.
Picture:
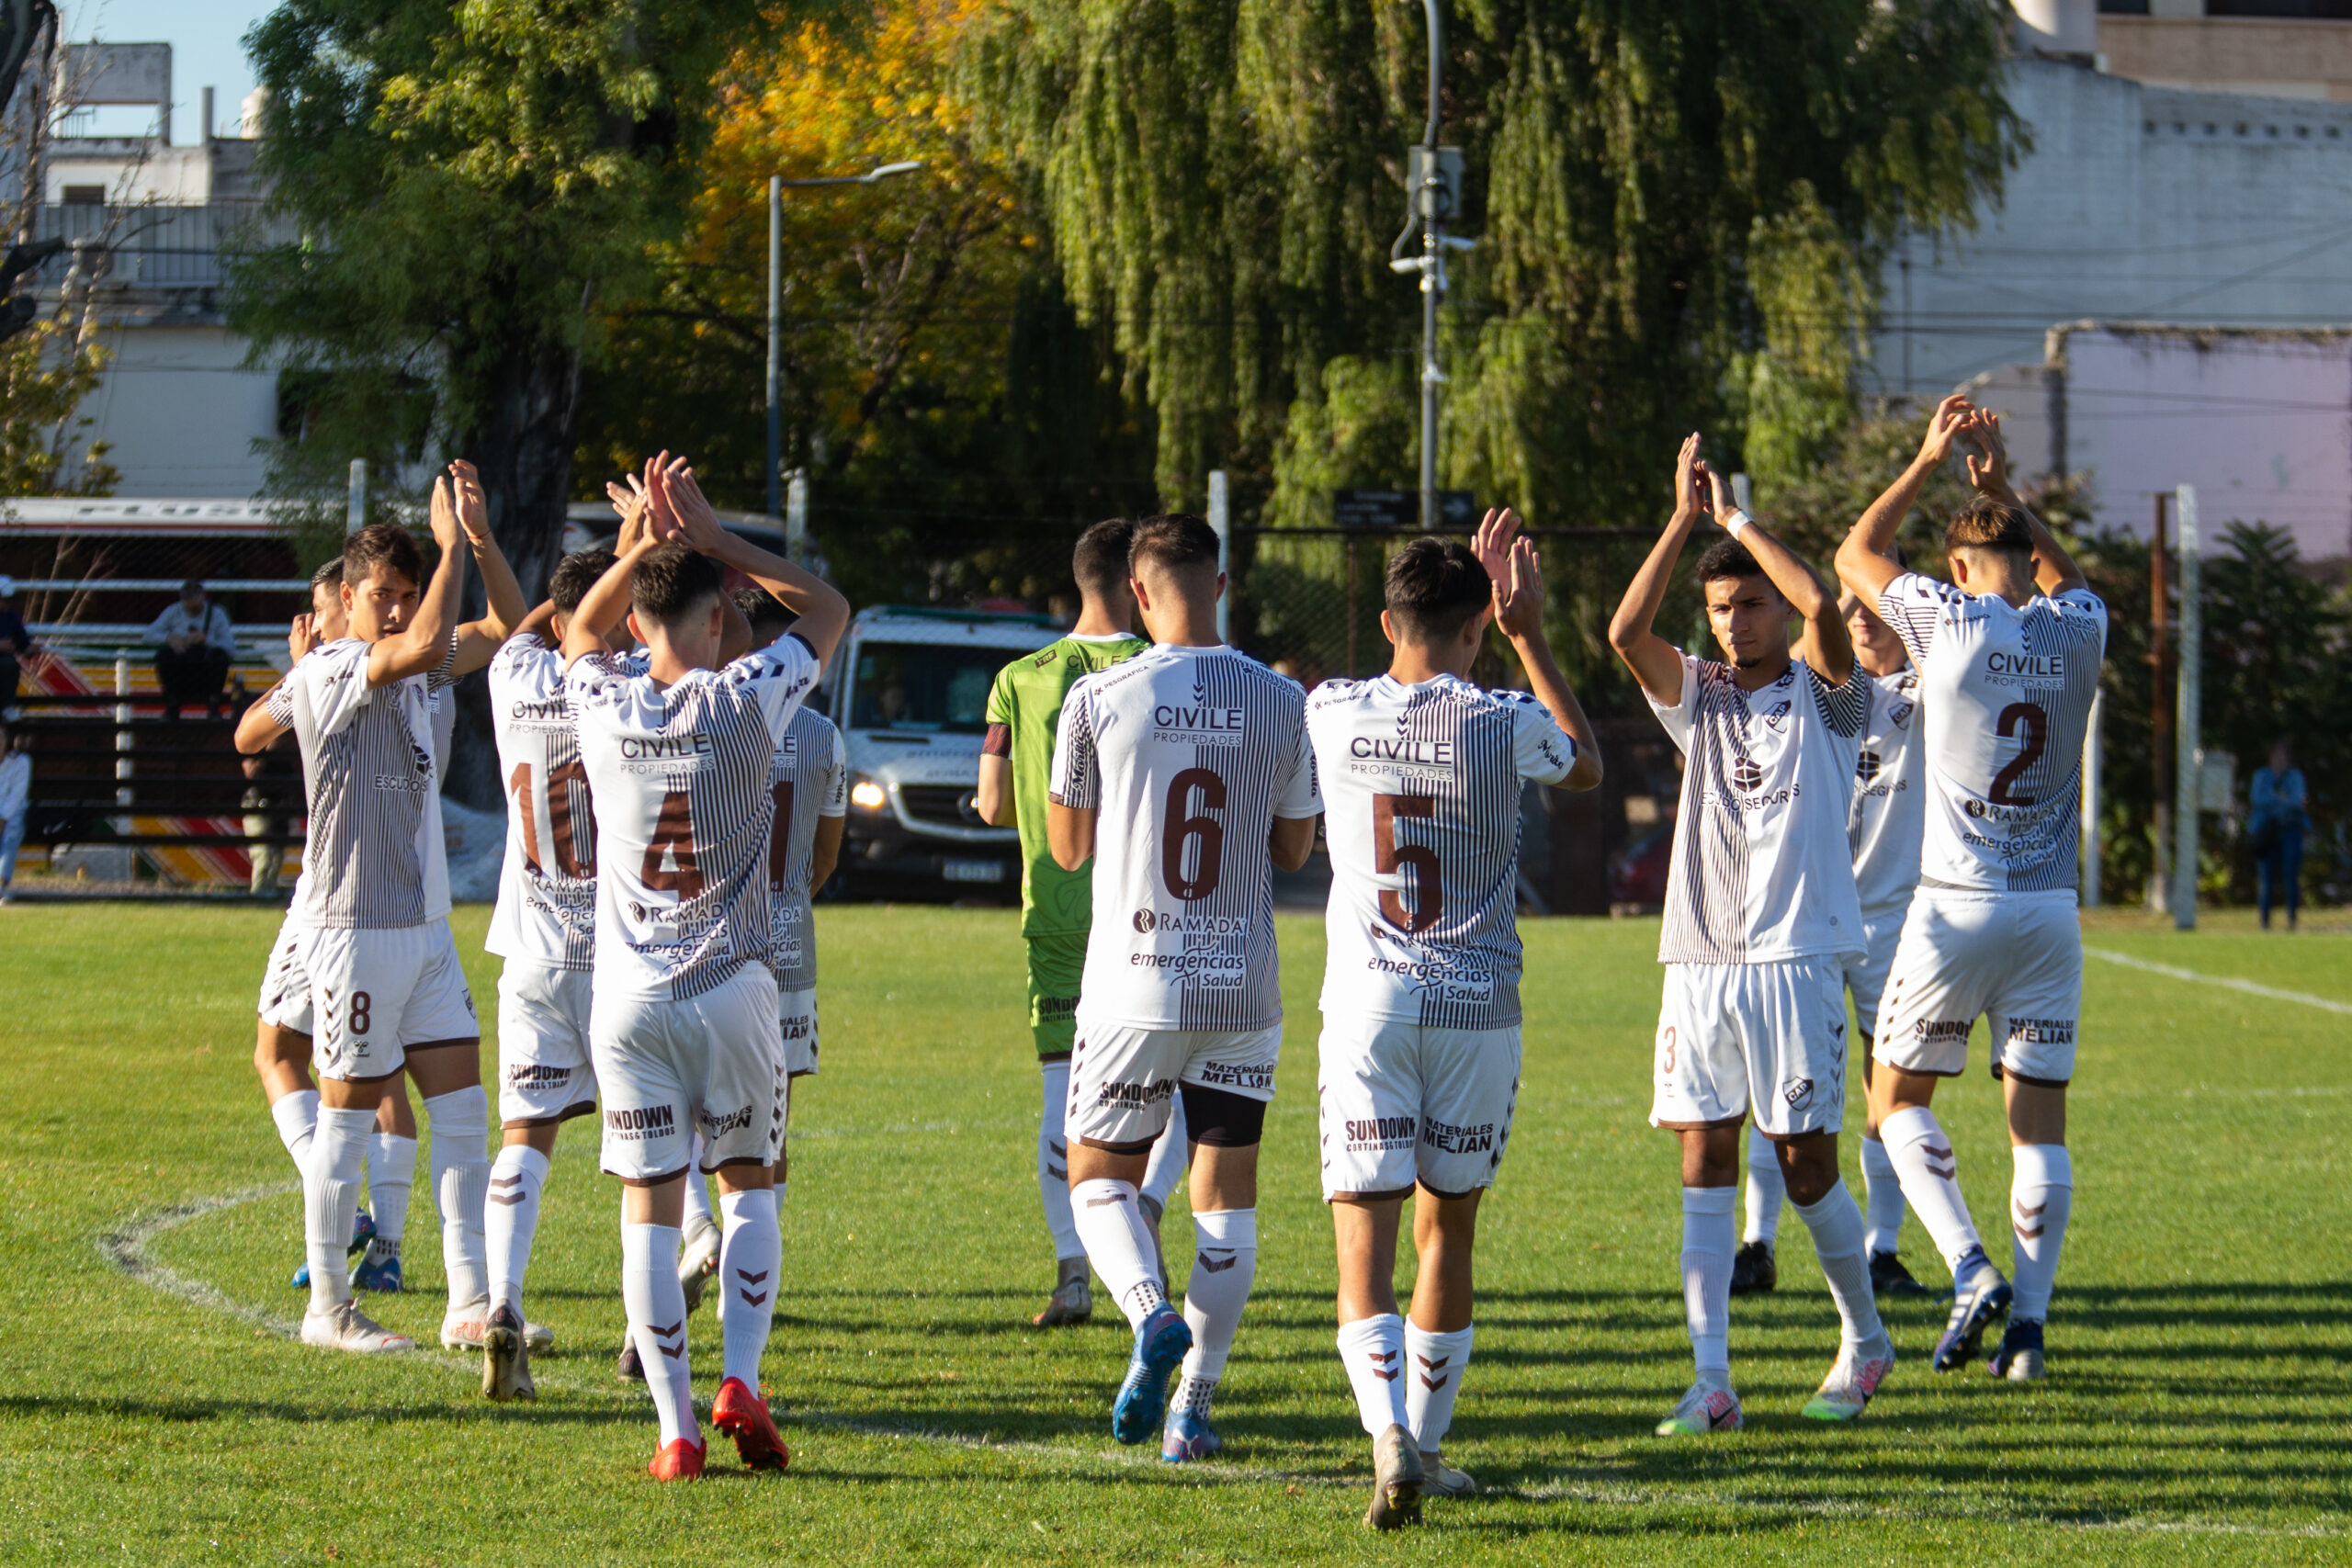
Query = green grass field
x=2199 y=1406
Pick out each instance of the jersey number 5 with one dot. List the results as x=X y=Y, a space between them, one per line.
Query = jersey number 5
x=669 y=855
x=2035 y=723
x=1390 y=858
x=1187 y=835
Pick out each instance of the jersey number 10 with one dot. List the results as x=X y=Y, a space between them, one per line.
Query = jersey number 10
x=563 y=822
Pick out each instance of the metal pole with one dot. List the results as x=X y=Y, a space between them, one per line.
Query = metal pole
x=796 y=518
x=122 y=740
x=1433 y=278
x=2160 y=716
x=2091 y=793
x=776 y=345
x=1352 y=606
x=355 y=504
x=2189 y=787
x=1221 y=519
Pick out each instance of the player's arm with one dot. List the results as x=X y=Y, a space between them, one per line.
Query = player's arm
x=680 y=510
x=257 y=727
x=1069 y=833
x=605 y=605
x=1867 y=558
x=1654 y=662
x=478 y=640
x=1516 y=572
x=423 y=645
x=825 y=853
x=539 y=623
x=993 y=798
x=1291 y=840
x=1827 y=647
x=2055 y=570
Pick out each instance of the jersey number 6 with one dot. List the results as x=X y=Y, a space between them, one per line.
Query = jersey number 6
x=1185 y=835
x=1389 y=858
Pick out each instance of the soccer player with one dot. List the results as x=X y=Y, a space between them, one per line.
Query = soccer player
x=387 y=990
x=1422 y=774
x=1186 y=775
x=1883 y=826
x=2008 y=655
x=1761 y=919
x=682 y=1023
x=1024 y=712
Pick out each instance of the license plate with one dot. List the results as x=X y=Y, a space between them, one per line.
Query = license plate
x=972 y=870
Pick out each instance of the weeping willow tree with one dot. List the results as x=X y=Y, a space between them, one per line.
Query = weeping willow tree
x=1681 y=208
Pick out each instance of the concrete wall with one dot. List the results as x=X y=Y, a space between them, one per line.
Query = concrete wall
x=183 y=411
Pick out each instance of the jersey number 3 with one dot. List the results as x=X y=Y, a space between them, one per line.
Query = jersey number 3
x=1390 y=858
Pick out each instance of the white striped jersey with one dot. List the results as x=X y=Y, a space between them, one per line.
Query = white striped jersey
x=1888 y=816
x=1761 y=869
x=809 y=779
x=547 y=886
x=2008 y=698
x=375 y=859
x=1188 y=755
x=678 y=783
x=1421 y=788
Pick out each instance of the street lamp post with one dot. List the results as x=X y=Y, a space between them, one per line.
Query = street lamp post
x=777 y=188
x=1433 y=181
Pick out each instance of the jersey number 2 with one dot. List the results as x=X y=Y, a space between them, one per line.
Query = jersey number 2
x=1389 y=858
x=1186 y=835
x=2035 y=723
x=673 y=842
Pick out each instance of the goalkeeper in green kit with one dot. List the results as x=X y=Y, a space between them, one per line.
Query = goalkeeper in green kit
x=1024 y=709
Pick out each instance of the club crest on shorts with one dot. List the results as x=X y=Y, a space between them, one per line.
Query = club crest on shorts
x=1798 y=1093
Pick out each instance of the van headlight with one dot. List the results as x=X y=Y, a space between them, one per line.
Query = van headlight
x=867 y=794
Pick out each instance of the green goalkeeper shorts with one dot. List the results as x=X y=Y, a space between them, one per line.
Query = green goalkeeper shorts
x=1056 y=966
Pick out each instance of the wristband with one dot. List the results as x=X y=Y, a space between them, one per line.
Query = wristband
x=1736 y=522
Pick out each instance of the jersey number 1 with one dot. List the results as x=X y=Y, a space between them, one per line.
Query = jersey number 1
x=674 y=842
x=1390 y=858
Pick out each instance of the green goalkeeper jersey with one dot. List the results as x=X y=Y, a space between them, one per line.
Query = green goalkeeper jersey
x=1024 y=710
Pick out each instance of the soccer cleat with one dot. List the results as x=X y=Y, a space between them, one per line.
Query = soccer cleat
x=630 y=1367
x=680 y=1459
x=1974 y=1304
x=1397 y=1480
x=363 y=1230
x=1189 y=1436
x=1160 y=1345
x=380 y=1275
x=1441 y=1480
x=345 y=1327
x=1704 y=1411
x=1851 y=1381
x=506 y=1359
x=743 y=1415
x=1752 y=1269
x=2020 y=1358
x=1073 y=1297
x=462 y=1328
x=1890 y=1277
x=697 y=1261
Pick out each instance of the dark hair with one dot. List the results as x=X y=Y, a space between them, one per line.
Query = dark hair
x=1172 y=542
x=765 y=613
x=575 y=574
x=1985 y=523
x=330 y=573
x=1728 y=558
x=386 y=544
x=1100 y=562
x=673 y=581
x=193 y=585
x=1434 y=586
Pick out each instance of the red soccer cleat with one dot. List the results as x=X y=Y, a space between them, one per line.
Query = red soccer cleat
x=678 y=1461
x=743 y=1415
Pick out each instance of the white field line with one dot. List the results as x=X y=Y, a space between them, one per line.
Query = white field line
x=126 y=1249
x=2249 y=986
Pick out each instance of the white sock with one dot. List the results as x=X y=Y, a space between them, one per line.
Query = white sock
x=1168 y=1158
x=1766 y=1189
x=331 y=1200
x=1373 y=1350
x=697 y=1190
x=1885 y=1206
x=2041 y=1196
x=749 y=1260
x=656 y=1321
x=1836 y=1227
x=1708 y=1233
x=1223 y=1272
x=461 y=1185
x=297 y=1115
x=392 y=1172
x=511 y=1219
x=1053 y=1163
x=1436 y=1362
x=1118 y=1244
x=1923 y=1159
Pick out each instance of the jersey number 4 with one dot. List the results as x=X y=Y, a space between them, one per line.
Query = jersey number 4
x=1390 y=859
x=567 y=825
x=670 y=865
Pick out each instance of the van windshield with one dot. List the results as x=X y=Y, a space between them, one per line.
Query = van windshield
x=924 y=686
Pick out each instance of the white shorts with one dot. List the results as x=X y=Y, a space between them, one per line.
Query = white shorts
x=797 y=1022
x=286 y=984
x=1404 y=1103
x=376 y=993
x=1866 y=975
x=669 y=1068
x=545 y=1070
x=2015 y=958
x=1122 y=1077
x=1770 y=1037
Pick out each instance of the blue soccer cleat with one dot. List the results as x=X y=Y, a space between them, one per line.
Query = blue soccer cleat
x=363 y=1230
x=1189 y=1436
x=1975 y=1304
x=2020 y=1358
x=1160 y=1345
x=380 y=1275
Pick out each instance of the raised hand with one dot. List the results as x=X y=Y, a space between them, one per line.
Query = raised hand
x=660 y=518
x=1687 y=495
x=472 y=506
x=697 y=520
x=1951 y=418
x=1990 y=471
x=1491 y=543
x=302 y=636
x=1721 y=504
x=444 y=515
x=631 y=505
x=1519 y=593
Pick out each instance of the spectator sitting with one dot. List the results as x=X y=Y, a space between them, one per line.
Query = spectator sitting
x=260 y=806
x=15 y=642
x=15 y=793
x=198 y=644
x=2275 y=830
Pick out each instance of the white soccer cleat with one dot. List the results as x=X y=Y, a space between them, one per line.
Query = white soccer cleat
x=1439 y=1479
x=1851 y=1381
x=463 y=1328
x=1705 y=1411
x=697 y=1261
x=345 y=1327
